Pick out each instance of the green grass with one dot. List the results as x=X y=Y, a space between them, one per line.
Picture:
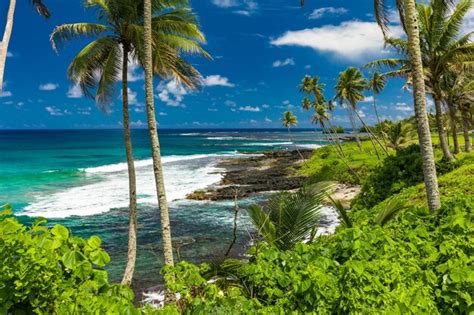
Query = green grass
x=326 y=165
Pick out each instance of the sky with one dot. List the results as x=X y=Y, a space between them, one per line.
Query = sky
x=261 y=50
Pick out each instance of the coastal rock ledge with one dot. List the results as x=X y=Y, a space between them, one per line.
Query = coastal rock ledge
x=266 y=171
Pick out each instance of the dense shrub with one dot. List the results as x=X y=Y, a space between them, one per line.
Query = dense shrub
x=418 y=263
x=395 y=174
x=45 y=270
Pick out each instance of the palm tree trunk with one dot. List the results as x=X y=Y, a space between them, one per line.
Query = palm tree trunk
x=296 y=147
x=132 y=182
x=6 y=41
x=379 y=122
x=354 y=129
x=465 y=129
x=338 y=140
x=155 y=144
x=372 y=136
x=441 y=132
x=454 y=129
x=419 y=95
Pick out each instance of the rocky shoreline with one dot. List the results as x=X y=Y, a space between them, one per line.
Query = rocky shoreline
x=245 y=176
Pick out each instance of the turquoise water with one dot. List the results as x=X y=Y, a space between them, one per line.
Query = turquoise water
x=79 y=179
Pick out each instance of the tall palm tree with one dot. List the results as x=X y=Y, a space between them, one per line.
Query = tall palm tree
x=376 y=85
x=42 y=10
x=183 y=37
x=349 y=88
x=409 y=19
x=349 y=91
x=442 y=47
x=289 y=120
x=103 y=62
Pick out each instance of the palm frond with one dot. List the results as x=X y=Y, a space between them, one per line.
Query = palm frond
x=67 y=32
x=344 y=219
x=390 y=211
x=41 y=8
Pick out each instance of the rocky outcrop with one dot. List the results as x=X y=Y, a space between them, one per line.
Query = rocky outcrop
x=269 y=171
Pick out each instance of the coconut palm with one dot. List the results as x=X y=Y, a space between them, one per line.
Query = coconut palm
x=182 y=37
x=398 y=134
x=103 y=62
x=349 y=89
x=442 y=47
x=42 y=10
x=289 y=120
x=409 y=19
x=458 y=91
x=376 y=85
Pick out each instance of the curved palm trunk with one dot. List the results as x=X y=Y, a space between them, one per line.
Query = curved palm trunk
x=372 y=136
x=354 y=128
x=429 y=168
x=379 y=122
x=132 y=186
x=296 y=147
x=155 y=144
x=338 y=140
x=6 y=41
x=454 y=128
x=465 y=130
x=443 y=141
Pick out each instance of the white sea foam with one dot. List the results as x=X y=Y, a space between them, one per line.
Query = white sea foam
x=190 y=134
x=108 y=188
x=309 y=146
x=267 y=144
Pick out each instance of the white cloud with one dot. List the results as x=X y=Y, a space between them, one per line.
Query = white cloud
x=210 y=109
x=361 y=113
x=282 y=63
x=162 y=114
x=225 y=3
x=403 y=107
x=217 y=80
x=230 y=103
x=48 y=86
x=5 y=93
x=265 y=106
x=10 y=54
x=351 y=40
x=368 y=99
x=171 y=93
x=86 y=111
x=134 y=72
x=74 y=91
x=250 y=109
x=268 y=120
x=468 y=24
x=137 y=124
x=319 y=13
x=54 y=111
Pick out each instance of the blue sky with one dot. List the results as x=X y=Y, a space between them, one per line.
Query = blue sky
x=261 y=50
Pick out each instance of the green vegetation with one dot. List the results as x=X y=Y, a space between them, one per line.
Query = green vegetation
x=47 y=270
x=416 y=263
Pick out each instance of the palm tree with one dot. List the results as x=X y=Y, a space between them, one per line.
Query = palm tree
x=345 y=92
x=183 y=36
x=42 y=10
x=289 y=120
x=349 y=89
x=376 y=85
x=458 y=91
x=442 y=47
x=398 y=134
x=104 y=61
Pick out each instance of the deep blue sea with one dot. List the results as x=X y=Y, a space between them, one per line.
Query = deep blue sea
x=79 y=178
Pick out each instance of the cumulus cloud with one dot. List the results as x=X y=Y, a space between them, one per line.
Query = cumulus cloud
x=217 y=80
x=321 y=12
x=74 y=91
x=230 y=103
x=48 y=86
x=403 y=107
x=171 y=93
x=54 y=111
x=10 y=54
x=225 y=3
x=244 y=7
x=368 y=99
x=5 y=93
x=468 y=24
x=134 y=72
x=350 y=40
x=250 y=109
x=283 y=63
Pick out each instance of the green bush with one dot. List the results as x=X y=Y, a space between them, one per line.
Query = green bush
x=395 y=174
x=417 y=264
x=47 y=270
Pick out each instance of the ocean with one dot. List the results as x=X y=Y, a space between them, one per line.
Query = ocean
x=79 y=178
